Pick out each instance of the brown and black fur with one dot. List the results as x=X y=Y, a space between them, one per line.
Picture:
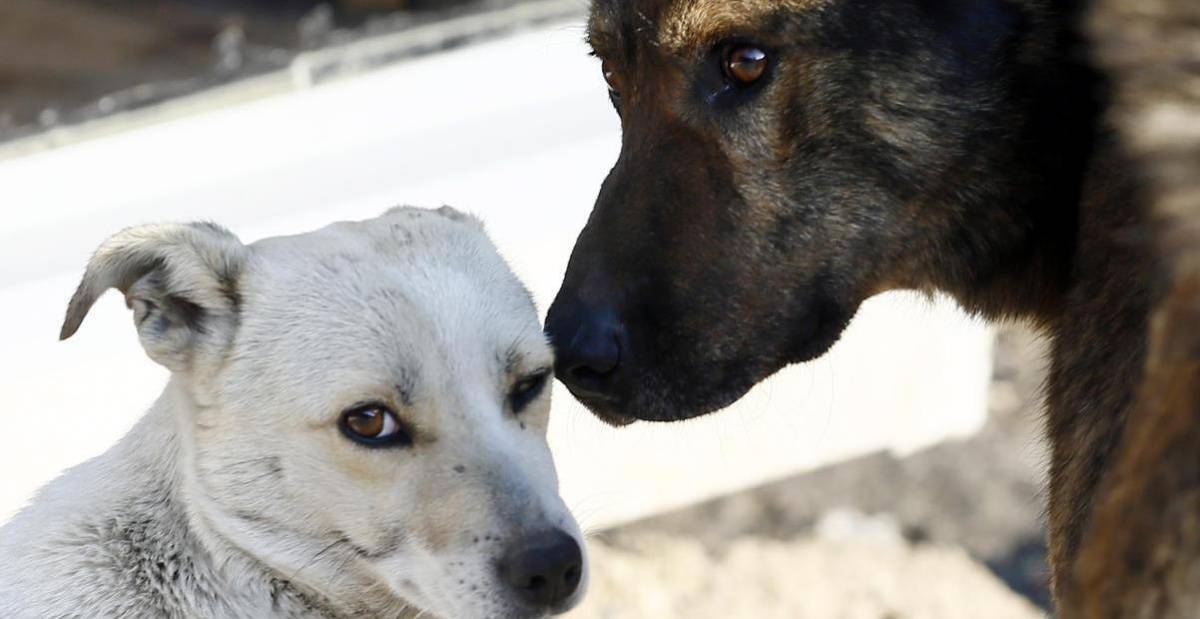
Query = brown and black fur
x=1141 y=551
x=961 y=146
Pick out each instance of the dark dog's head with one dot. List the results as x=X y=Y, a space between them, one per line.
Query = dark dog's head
x=782 y=160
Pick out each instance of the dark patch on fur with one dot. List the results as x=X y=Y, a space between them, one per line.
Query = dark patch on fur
x=179 y=310
x=170 y=310
x=510 y=361
x=451 y=213
x=406 y=386
x=401 y=235
x=226 y=275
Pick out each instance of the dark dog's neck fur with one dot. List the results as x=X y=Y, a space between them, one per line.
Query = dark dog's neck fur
x=1061 y=146
x=1084 y=273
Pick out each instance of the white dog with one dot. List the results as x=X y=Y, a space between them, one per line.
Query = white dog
x=354 y=426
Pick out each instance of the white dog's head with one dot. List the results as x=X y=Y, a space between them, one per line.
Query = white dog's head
x=367 y=409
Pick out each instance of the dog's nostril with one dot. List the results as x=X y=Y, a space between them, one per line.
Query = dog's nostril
x=571 y=577
x=535 y=583
x=586 y=375
x=589 y=364
x=597 y=356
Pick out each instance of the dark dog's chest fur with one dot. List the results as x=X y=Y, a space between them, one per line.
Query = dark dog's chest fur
x=1098 y=354
x=1089 y=282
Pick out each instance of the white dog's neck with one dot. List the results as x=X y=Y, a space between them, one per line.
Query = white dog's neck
x=215 y=559
x=136 y=548
x=237 y=546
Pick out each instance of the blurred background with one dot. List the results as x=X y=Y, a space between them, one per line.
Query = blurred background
x=898 y=477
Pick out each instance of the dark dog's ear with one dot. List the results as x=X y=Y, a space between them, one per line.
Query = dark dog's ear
x=180 y=280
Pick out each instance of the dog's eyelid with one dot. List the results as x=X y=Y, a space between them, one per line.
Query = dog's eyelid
x=530 y=379
x=527 y=388
x=539 y=374
x=363 y=405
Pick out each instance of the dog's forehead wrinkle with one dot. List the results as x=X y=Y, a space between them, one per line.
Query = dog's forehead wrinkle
x=691 y=24
x=527 y=353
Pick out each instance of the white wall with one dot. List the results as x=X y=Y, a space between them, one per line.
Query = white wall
x=518 y=131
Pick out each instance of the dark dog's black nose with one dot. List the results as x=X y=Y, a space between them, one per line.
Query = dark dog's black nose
x=545 y=569
x=588 y=348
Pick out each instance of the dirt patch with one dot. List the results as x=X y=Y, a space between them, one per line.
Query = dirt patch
x=670 y=576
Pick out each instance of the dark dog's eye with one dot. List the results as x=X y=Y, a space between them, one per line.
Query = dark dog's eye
x=734 y=73
x=745 y=64
x=374 y=425
x=527 y=390
x=615 y=83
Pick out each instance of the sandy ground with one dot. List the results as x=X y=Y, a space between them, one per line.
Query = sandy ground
x=954 y=531
x=672 y=576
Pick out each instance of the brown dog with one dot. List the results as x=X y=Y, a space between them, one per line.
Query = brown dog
x=784 y=160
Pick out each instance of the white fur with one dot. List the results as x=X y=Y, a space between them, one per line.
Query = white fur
x=238 y=496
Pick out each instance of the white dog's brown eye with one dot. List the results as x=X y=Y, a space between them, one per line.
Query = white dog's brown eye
x=527 y=390
x=745 y=64
x=374 y=425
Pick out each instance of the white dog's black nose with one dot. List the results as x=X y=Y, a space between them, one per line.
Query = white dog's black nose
x=545 y=569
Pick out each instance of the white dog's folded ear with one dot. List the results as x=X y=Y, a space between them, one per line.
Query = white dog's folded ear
x=179 y=279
